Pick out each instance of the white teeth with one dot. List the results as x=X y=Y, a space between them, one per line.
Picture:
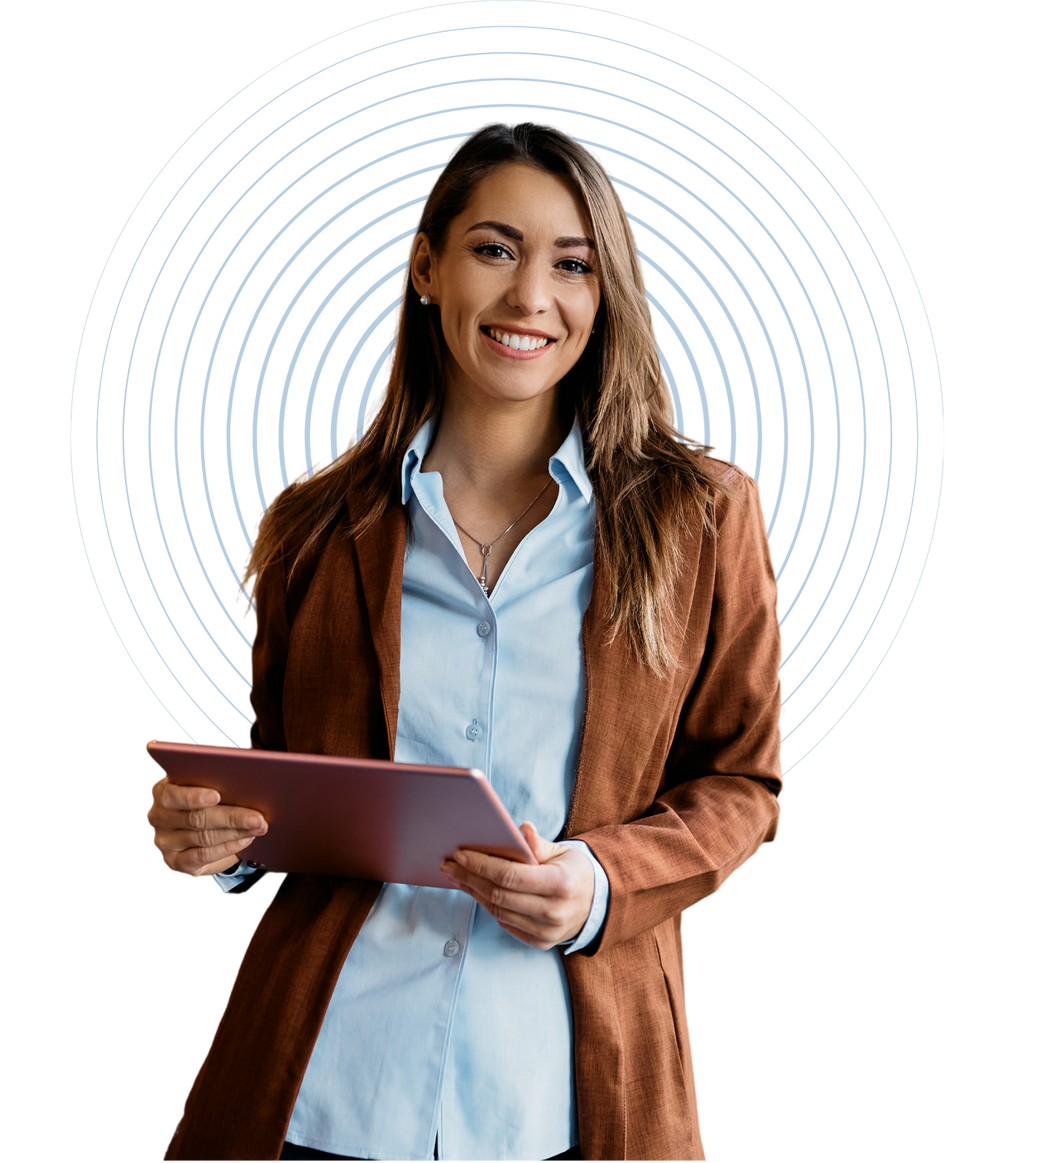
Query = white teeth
x=518 y=342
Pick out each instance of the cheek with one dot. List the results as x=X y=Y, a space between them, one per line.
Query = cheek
x=589 y=309
x=456 y=327
x=586 y=318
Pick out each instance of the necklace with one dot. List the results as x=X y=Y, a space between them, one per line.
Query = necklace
x=486 y=546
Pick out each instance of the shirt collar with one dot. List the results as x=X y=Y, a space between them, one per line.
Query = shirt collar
x=416 y=452
x=567 y=464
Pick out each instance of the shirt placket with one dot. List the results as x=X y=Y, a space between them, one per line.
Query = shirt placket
x=478 y=735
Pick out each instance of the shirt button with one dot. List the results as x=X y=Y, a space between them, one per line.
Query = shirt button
x=474 y=731
x=451 y=948
x=483 y=629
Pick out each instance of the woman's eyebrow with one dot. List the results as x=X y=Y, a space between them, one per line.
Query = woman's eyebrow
x=564 y=243
x=500 y=228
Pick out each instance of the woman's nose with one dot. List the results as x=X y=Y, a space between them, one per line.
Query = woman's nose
x=530 y=291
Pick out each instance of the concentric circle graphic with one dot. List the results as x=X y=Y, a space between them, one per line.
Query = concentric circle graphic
x=241 y=329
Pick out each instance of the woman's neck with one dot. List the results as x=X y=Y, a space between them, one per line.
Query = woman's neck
x=496 y=448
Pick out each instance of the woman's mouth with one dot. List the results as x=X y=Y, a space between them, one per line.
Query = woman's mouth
x=515 y=340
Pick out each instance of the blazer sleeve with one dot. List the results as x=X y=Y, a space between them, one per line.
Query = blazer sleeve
x=717 y=802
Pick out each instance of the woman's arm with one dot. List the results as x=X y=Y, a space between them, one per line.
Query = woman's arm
x=723 y=772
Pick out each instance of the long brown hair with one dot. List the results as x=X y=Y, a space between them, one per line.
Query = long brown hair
x=646 y=478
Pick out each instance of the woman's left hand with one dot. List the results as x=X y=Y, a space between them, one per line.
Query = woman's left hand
x=542 y=904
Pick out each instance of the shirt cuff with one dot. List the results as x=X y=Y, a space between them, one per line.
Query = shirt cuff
x=601 y=892
x=229 y=880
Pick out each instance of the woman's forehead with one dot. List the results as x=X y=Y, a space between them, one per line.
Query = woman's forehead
x=531 y=201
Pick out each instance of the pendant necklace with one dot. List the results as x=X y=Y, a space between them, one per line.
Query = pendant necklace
x=485 y=547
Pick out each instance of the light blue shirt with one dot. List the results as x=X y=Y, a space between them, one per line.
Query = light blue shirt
x=444 y=1029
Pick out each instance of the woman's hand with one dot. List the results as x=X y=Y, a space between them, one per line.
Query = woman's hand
x=543 y=904
x=196 y=833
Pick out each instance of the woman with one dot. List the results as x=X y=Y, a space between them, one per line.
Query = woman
x=520 y=567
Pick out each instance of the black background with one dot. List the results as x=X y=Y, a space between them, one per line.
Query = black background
x=808 y=939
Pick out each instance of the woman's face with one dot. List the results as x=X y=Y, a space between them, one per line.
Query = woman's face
x=516 y=284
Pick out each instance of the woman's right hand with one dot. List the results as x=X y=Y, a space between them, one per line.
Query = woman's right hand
x=196 y=833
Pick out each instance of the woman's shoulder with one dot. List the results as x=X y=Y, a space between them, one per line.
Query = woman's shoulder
x=294 y=531
x=309 y=490
x=724 y=472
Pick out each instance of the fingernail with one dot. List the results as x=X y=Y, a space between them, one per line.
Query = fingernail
x=211 y=798
x=254 y=822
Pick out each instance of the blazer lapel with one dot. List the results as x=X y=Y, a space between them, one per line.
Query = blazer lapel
x=626 y=706
x=605 y=667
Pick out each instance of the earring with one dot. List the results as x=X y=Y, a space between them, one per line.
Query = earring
x=424 y=300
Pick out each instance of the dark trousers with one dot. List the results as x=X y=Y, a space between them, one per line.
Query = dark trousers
x=292 y=1151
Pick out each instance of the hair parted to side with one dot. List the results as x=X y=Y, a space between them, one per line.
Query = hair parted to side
x=645 y=478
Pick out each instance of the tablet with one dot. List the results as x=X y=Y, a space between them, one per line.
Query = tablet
x=366 y=818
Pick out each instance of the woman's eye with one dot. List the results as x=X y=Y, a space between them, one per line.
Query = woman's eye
x=575 y=265
x=493 y=250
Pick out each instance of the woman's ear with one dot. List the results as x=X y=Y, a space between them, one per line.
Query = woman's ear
x=422 y=268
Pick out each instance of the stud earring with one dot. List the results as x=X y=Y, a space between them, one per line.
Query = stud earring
x=424 y=300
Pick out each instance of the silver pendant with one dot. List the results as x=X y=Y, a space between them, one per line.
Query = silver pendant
x=484 y=549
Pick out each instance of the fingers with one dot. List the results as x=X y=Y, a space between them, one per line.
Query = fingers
x=196 y=833
x=500 y=886
x=534 y=879
x=543 y=849
x=541 y=905
x=176 y=798
x=199 y=860
x=224 y=817
x=199 y=809
x=218 y=858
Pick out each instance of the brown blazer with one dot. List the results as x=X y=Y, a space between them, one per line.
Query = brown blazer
x=675 y=788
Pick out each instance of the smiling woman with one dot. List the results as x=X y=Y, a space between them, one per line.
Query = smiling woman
x=647 y=480
x=521 y=567
x=509 y=292
x=517 y=299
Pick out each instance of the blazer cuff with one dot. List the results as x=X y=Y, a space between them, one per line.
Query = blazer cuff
x=601 y=892
x=237 y=878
